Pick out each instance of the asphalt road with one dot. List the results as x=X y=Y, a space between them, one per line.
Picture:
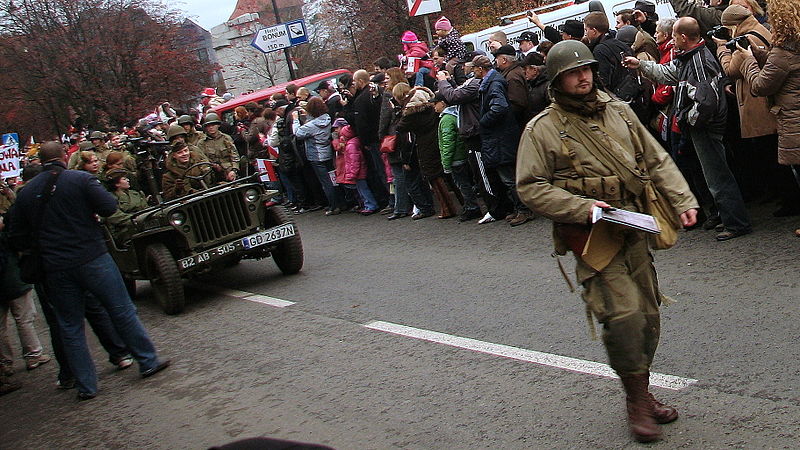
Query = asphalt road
x=313 y=372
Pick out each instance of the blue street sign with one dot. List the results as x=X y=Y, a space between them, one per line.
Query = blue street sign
x=11 y=139
x=297 y=32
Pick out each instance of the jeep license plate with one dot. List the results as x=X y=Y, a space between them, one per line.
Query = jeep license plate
x=246 y=243
x=267 y=236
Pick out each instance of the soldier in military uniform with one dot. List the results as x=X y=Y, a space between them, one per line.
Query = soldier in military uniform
x=193 y=137
x=219 y=149
x=129 y=201
x=177 y=133
x=573 y=158
x=75 y=158
x=98 y=138
x=174 y=183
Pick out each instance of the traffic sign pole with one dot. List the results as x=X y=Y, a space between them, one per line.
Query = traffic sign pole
x=286 y=52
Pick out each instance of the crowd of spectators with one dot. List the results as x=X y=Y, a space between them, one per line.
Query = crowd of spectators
x=434 y=132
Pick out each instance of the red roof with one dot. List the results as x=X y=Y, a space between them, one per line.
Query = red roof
x=252 y=6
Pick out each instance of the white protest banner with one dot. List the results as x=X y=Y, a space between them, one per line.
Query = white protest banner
x=9 y=156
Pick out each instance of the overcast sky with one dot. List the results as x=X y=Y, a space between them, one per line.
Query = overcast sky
x=207 y=13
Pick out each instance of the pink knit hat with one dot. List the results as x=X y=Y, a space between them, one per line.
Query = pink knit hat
x=409 y=37
x=443 y=24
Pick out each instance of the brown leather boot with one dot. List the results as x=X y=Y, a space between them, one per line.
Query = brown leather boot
x=439 y=189
x=640 y=408
x=662 y=413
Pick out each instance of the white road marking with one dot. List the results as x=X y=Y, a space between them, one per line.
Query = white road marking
x=546 y=359
x=249 y=296
x=271 y=301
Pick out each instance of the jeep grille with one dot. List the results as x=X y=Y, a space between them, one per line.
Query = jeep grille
x=216 y=217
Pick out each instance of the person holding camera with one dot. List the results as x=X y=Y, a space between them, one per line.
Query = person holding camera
x=759 y=158
x=779 y=78
x=703 y=117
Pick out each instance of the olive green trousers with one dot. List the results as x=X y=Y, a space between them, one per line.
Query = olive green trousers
x=624 y=297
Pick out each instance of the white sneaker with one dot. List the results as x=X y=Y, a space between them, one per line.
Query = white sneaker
x=487 y=219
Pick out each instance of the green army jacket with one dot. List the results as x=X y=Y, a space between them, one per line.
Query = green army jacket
x=549 y=153
x=220 y=150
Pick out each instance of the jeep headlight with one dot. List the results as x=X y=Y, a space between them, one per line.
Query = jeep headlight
x=177 y=218
x=251 y=195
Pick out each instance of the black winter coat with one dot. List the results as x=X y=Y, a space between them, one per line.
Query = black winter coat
x=468 y=99
x=616 y=78
x=498 y=129
x=366 y=116
x=423 y=122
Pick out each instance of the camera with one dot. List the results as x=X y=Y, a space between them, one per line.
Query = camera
x=720 y=32
x=741 y=40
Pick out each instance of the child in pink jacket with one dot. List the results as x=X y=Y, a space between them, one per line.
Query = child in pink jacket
x=414 y=48
x=355 y=168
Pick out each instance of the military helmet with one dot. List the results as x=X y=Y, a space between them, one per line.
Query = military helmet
x=211 y=119
x=567 y=55
x=175 y=130
x=184 y=119
x=97 y=135
x=86 y=146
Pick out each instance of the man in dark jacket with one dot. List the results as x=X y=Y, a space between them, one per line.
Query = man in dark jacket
x=499 y=136
x=703 y=116
x=366 y=120
x=570 y=30
x=607 y=51
x=536 y=76
x=512 y=71
x=707 y=18
x=75 y=260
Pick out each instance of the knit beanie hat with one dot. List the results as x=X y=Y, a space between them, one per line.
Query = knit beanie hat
x=443 y=24
x=409 y=37
x=735 y=14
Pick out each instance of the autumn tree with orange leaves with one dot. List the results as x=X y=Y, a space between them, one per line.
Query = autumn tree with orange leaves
x=105 y=61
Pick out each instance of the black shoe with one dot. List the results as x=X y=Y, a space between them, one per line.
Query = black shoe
x=158 y=368
x=712 y=223
x=786 y=211
x=730 y=234
x=397 y=216
x=86 y=396
x=422 y=215
x=470 y=215
x=65 y=384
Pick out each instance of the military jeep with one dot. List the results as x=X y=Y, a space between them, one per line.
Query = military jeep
x=210 y=229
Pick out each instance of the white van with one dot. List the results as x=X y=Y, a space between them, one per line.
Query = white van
x=570 y=10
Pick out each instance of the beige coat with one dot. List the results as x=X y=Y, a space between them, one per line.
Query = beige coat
x=546 y=176
x=780 y=80
x=754 y=115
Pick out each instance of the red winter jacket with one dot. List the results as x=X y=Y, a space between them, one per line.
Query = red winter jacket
x=663 y=94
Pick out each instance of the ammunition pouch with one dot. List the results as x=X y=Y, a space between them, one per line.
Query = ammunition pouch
x=599 y=188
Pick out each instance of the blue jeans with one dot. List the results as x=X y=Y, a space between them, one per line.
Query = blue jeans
x=401 y=199
x=321 y=169
x=711 y=153
x=419 y=80
x=462 y=176
x=366 y=195
x=67 y=292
